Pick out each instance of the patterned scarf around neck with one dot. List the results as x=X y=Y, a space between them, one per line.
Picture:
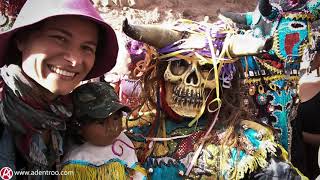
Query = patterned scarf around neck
x=24 y=109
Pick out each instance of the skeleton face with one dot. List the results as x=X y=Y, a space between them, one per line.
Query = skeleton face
x=187 y=85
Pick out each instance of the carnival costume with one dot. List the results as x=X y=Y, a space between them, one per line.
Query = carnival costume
x=183 y=129
x=26 y=113
x=271 y=79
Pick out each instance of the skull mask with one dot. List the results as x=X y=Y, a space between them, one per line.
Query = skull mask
x=189 y=75
x=187 y=84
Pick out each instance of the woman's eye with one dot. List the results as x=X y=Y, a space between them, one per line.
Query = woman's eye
x=89 y=49
x=58 y=38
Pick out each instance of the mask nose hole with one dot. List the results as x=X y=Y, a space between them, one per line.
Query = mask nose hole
x=192 y=79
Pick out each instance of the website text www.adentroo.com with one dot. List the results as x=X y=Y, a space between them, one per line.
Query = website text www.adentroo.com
x=6 y=173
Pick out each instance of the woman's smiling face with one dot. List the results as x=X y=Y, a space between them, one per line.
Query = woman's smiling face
x=60 y=53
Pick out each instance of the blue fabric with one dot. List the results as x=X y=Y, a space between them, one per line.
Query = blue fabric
x=249 y=18
x=162 y=170
x=283 y=99
x=86 y=163
x=8 y=150
x=7 y=153
x=251 y=136
x=250 y=62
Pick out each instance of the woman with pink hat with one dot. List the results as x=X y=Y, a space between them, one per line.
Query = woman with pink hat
x=52 y=46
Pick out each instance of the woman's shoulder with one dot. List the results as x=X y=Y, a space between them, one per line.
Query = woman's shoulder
x=309 y=86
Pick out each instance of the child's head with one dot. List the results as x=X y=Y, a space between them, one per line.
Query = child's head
x=98 y=111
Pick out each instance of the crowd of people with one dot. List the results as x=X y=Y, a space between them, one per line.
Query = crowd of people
x=231 y=99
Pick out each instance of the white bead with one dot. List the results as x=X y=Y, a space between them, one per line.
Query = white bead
x=150 y=170
x=181 y=173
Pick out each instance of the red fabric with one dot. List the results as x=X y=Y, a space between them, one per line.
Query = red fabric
x=290 y=41
x=187 y=145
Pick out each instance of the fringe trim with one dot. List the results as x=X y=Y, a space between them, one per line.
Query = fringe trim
x=140 y=169
x=114 y=170
x=235 y=168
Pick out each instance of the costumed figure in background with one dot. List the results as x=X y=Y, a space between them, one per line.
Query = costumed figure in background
x=52 y=46
x=271 y=78
x=128 y=63
x=190 y=123
x=9 y=10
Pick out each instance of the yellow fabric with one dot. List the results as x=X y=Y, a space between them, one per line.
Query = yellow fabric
x=141 y=170
x=114 y=170
x=300 y=16
x=218 y=157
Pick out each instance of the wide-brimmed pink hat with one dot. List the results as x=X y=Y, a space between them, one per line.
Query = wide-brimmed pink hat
x=35 y=11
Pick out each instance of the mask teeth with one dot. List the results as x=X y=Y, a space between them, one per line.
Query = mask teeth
x=190 y=97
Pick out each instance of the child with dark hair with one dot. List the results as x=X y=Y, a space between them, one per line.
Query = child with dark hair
x=107 y=153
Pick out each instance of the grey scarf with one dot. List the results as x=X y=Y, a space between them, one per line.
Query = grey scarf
x=27 y=114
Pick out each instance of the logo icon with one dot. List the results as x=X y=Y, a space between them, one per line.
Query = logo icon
x=6 y=173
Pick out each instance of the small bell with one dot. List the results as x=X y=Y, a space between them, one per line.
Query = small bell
x=271 y=108
x=262 y=99
x=252 y=90
x=261 y=89
x=259 y=136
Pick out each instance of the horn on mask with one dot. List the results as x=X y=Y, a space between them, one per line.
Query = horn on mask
x=314 y=10
x=265 y=8
x=253 y=45
x=239 y=18
x=154 y=35
x=316 y=24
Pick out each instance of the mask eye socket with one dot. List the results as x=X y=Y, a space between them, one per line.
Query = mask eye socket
x=178 y=67
x=207 y=71
x=297 y=26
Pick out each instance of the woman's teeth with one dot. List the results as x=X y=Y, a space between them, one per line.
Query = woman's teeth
x=61 y=72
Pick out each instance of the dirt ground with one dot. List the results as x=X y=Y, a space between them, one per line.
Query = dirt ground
x=159 y=11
